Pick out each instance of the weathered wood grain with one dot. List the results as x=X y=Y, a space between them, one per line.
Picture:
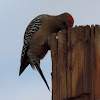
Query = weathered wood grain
x=92 y=63
x=69 y=72
x=62 y=62
x=74 y=60
x=97 y=62
x=54 y=54
x=76 y=63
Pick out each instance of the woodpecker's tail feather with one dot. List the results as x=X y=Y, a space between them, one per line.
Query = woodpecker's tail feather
x=41 y=73
x=24 y=64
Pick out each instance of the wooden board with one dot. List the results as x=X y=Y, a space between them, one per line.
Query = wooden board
x=87 y=62
x=97 y=62
x=62 y=62
x=80 y=60
x=92 y=63
x=74 y=60
x=54 y=54
x=69 y=72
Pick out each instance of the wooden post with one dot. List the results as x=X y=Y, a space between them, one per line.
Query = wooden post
x=76 y=63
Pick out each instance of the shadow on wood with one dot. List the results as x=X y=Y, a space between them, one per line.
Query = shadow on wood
x=76 y=63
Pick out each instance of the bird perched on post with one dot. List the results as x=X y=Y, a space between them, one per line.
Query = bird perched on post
x=36 y=37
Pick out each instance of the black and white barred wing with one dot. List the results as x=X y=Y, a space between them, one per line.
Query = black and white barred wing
x=32 y=28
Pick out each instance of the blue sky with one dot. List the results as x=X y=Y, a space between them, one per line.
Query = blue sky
x=15 y=15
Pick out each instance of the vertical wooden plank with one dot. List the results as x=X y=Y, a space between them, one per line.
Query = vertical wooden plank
x=69 y=72
x=87 y=62
x=74 y=60
x=80 y=60
x=92 y=63
x=54 y=55
x=97 y=73
x=62 y=62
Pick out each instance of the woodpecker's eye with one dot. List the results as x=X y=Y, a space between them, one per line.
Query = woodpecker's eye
x=64 y=23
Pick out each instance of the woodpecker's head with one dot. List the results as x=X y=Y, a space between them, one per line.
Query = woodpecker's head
x=66 y=21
